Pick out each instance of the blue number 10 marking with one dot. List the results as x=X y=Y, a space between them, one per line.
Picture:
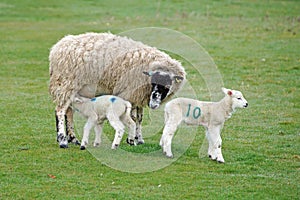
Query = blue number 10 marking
x=196 y=112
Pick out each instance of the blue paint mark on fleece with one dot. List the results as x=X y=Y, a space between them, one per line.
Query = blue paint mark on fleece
x=113 y=99
x=93 y=99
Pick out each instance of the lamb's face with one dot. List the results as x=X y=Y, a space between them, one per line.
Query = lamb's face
x=238 y=100
x=161 y=83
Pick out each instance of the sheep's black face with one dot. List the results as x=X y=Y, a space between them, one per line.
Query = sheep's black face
x=161 y=83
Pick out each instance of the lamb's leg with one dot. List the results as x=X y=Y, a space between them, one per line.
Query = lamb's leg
x=70 y=127
x=86 y=131
x=126 y=119
x=210 y=145
x=172 y=120
x=60 y=113
x=215 y=143
x=98 y=133
x=139 y=119
x=119 y=128
x=166 y=139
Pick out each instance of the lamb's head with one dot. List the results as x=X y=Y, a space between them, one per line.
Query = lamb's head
x=238 y=100
x=78 y=100
x=161 y=85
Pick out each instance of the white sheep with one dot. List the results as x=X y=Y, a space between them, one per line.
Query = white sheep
x=211 y=115
x=94 y=64
x=96 y=110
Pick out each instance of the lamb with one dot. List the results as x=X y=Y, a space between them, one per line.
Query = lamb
x=97 y=109
x=93 y=64
x=211 y=115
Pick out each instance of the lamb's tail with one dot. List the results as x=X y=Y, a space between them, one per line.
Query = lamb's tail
x=128 y=108
x=166 y=114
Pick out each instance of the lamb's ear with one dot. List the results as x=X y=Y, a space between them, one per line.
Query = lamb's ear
x=78 y=100
x=150 y=73
x=178 y=79
x=227 y=91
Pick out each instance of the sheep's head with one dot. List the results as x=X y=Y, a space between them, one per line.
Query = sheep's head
x=238 y=100
x=161 y=84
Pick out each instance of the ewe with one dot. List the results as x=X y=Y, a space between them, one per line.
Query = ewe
x=211 y=115
x=94 y=64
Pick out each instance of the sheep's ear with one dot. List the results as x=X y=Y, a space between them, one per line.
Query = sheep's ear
x=178 y=79
x=150 y=73
x=168 y=86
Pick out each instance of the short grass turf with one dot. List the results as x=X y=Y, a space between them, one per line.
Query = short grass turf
x=255 y=45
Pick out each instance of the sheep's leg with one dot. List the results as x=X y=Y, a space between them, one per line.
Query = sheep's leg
x=98 y=133
x=60 y=113
x=139 y=119
x=119 y=128
x=215 y=143
x=70 y=127
x=126 y=119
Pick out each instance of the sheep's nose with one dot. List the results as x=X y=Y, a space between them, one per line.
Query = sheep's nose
x=246 y=105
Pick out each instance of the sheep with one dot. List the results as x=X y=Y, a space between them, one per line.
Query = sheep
x=211 y=115
x=93 y=64
x=96 y=110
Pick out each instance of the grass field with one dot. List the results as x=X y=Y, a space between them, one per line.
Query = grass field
x=255 y=45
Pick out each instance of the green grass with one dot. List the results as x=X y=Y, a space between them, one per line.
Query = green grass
x=255 y=45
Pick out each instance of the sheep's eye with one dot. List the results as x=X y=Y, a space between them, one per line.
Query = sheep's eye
x=239 y=98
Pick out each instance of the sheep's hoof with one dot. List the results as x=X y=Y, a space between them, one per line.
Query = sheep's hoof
x=73 y=140
x=129 y=141
x=82 y=147
x=63 y=143
x=76 y=142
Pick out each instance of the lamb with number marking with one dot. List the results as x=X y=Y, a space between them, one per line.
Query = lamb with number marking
x=211 y=115
x=97 y=109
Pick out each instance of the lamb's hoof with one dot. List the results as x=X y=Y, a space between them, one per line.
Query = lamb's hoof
x=169 y=156
x=96 y=144
x=63 y=146
x=82 y=147
x=114 y=146
x=130 y=142
x=140 y=142
x=213 y=159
